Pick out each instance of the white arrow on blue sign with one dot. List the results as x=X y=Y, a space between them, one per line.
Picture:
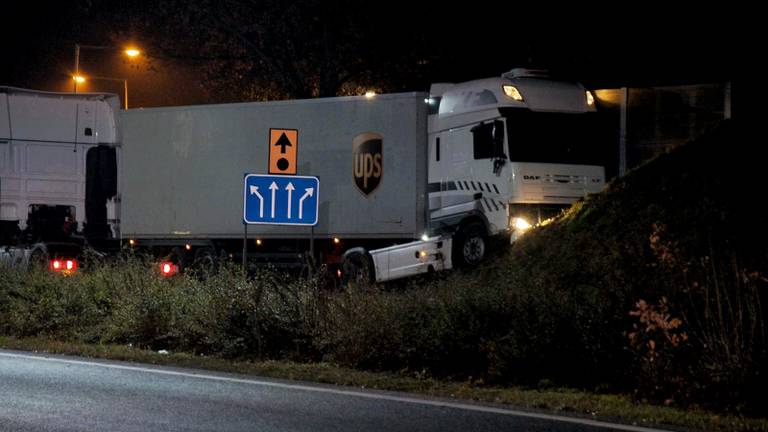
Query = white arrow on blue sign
x=280 y=199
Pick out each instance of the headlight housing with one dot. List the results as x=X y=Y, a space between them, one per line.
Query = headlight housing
x=590 y=99
x=520 y=224
x=513 y=92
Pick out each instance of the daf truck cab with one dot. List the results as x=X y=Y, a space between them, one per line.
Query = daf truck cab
x=506 y=153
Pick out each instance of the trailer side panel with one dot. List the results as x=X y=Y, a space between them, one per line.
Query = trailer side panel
x=183 y=167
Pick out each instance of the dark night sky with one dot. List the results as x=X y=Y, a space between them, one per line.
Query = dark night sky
x=658 y=47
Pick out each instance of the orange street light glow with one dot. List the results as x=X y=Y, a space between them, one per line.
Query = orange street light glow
x=132 y=52
x=78 y=79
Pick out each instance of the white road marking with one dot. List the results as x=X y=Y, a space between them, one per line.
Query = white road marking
x=355 y=393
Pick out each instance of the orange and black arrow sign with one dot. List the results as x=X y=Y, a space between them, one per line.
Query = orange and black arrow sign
x=283 y=151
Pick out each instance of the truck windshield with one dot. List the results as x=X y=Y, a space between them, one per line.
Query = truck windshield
x=567 y=138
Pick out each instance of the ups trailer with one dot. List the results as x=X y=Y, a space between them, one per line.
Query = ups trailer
x=399 y=184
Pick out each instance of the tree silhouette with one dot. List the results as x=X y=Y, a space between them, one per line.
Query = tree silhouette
x=269 y=49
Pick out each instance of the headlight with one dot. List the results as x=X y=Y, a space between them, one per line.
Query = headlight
x=520 y=224
x=590 y=99
x=512 y=92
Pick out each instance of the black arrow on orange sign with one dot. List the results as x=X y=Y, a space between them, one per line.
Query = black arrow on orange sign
x=282 y=142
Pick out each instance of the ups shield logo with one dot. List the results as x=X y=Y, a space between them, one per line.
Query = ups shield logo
x=367 y=167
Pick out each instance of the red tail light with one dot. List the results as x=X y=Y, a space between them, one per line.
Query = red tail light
x=168 y=269
x=63 y=265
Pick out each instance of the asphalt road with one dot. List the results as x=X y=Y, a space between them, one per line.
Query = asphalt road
x=58 y=393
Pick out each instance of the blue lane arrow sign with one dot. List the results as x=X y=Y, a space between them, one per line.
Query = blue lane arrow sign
x=280 y=200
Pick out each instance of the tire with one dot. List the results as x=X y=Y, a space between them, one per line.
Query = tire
x=357 y=269
x=176 y=256
x=470 y=245
x=206 y=261
x=38 y=257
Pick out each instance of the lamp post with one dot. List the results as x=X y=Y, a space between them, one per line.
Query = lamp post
x=130 y=52
x=82 y=79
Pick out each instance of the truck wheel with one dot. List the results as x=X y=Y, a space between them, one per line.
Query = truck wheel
x=357 y=268
x=205 y=260
x=469 y=245
x=38 y=257
x=176 y=256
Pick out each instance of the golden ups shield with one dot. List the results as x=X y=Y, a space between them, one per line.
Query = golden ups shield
x=367 y=163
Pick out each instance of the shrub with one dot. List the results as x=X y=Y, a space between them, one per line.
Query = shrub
x=42 y=303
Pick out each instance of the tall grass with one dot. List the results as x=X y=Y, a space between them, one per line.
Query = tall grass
x=702 y=342
x=656 y=288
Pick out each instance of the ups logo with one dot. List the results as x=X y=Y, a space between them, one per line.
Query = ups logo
x=367 y=168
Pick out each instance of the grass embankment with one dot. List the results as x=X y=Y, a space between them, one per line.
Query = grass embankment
x=652 y=289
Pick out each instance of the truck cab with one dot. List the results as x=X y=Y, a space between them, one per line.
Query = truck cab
x=506 y=153
x=58 y=172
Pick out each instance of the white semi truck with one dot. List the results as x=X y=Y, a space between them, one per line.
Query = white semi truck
x=410 y=183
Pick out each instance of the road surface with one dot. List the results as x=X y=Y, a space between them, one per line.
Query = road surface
x=58 y=393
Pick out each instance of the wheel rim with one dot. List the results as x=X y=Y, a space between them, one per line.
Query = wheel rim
x=38 y=258
x=206 y=262
x=356 y=270
x=359 y=274
x=474 y=250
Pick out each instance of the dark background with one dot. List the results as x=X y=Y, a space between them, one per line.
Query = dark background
x=198 y=52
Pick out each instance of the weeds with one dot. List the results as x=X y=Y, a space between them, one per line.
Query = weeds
x=702 y=343
x=602 y=299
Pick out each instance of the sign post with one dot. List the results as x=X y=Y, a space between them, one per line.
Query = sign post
x=282 y=197
x=245 y=249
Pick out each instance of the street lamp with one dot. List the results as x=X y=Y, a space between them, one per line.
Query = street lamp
x=79 y=79
x=130 y=52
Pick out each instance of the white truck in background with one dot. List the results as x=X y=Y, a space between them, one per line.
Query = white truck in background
x=50 y=146
x=410 y=183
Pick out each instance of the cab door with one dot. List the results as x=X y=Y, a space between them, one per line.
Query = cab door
x=490 y=170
